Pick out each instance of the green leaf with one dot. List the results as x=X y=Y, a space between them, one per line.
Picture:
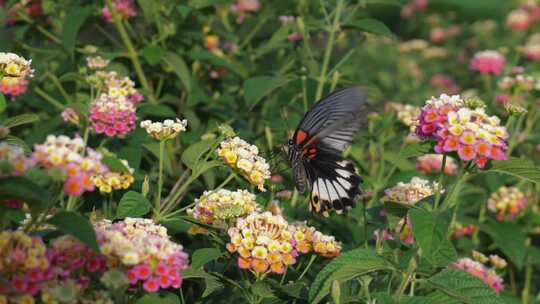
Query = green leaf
x=416 y=149
x=149 y=9
x=430 y=230
x=153 y=54
x=76 y=225
x=456 y=284
x=212 y=282
x=20 y=120
x=524 y=169
x=157 y=110
x=373 y=26
x=23 y=189
x=153 y=147
x=75 y=18
x=204 y=255
x=133 y=204
x=114 y=164
x=3 y=103
x=180 y=68
x=263 y=290
x=350 y=264
x=397 y=160
x=278 y=39
x=258 y=87
x=193 y=153
x=166 y=298
x=203 y=166
x=13 y=140
x=509 y=238
x=199 y=4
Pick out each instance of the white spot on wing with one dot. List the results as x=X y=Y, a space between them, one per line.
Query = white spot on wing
x=343 y=173
x=344 y=183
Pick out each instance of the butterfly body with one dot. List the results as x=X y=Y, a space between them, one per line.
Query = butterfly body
x=316 y=148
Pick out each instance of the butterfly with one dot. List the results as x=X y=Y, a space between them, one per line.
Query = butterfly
x=316 y=148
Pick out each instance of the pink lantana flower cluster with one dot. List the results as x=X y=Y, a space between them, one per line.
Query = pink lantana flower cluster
x=144 y=250
x=24 y=266
x=432 y=164
x=124 y=8
x=507 y=203
x=481 y=271
x=459 y=230
x=113 y=111
x=14 y=74
x=488 y=62
x=72 y=157
x=242 y=7
x=471 y=133
x=522 y=18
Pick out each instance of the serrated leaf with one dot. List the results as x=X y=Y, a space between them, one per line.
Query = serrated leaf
x=204 y=255
x=258 y=87
x=429 y=231
x=149 y=9
x=167 y=298
x=509 y=238
x=203 y=166
x=133 y=204
x=520 y=168
x=75 y=18
x=3 y=103
x=370 y=25
x=212 y=282
x=345 y=267
x=25 y=190
x=20 y=120
x=263 y=290
x=456 y=284
x=193 y=153
x=76 y=225
x=180 y=68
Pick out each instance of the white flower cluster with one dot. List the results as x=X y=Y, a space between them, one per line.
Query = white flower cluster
x=411 y=192
x=14 y=156
x=165 y=130
x=521 y=82
x=97 y=62
x=223 y=205
x=239 y=154
x=135 y=240
x=15 y=66
x=446 y=100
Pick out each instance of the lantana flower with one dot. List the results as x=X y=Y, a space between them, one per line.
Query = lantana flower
x=411 y=192
x=244 y=157
x=71 y=156
x=112 y=180
x=124 y=8
x=459 y=230
x=470 y=132
x=168 y=129
x=531 y=49
x=218 y=207
x=507 y=203
x=15 y=158
x=242 y=7
x=144 y=250
x=14 y=74
x=432 y=164
x=488 y=62
x=97 y=62
x=308 y=239
x=481 y=271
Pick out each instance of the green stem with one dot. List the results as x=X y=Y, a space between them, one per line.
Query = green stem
x=72 y=200
x=461 y=177
x=131 y=52
x=528 y=278
x=406 y=278
x=441 y=179
x=160 y=177
x=59 y=85
x=226 y=181
x=312 y=259
x=328 y=50
x=57 y=104
x=481 y=219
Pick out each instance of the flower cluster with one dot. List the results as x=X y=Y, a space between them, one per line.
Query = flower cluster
x=168 y=129
x=144 y=250
x=471 y=132
x=219 y=206
x=411 y=192
x=112 y=180
x=406 y=113
x=521 y=82
x=97 y=62
x=68 y=155
x=459 y=230
x=522 y=18
x=124 y=8
x=444 y=83
x=440 y=34
x=432 y=164
x=14 y=157
x=71 y=116
x=14 y=71
x=240 y=155
x=481 y=271
x=507 y=203
x=242 y=7
x=264 y=243
x=307 y=238
x=23 y=263
x=488 y=62
x=402 y=230
x=413 y=6
x=531 y=49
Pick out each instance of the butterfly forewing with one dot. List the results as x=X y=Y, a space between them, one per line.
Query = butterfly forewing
x=315 y=151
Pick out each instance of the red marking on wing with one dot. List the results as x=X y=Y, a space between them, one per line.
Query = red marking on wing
x=310 y=152
x=301 y=137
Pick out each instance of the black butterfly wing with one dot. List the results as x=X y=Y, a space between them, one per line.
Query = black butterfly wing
x=317 y=145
